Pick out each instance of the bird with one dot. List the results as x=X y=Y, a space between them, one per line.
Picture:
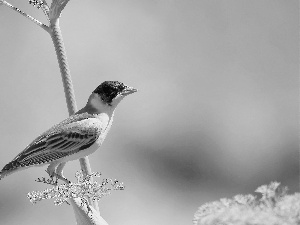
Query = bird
x=75 y=137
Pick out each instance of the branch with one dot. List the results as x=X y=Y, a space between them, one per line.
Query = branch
x=55 y=11
x=57 y=39
x=85 y=215
x=37 y=22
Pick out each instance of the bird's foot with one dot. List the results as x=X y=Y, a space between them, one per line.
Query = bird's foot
x=57 y=176
x=47 y=181
x=61 y=177
x=52 y=175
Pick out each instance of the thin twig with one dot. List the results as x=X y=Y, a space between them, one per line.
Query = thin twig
x=46 y=9
x=37 y=22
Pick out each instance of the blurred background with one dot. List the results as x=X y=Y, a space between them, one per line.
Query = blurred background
x=216 y=113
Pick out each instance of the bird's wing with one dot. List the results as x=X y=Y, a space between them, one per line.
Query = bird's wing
x=72 y=135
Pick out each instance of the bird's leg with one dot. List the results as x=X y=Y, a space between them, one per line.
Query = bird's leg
x=51 y=170
x=59 y=169
x=51 y=179
x=55 y=169
x=59 y=172
x=62 y=178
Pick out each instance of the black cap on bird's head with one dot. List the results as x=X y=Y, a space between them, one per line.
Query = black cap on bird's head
x=109 y=90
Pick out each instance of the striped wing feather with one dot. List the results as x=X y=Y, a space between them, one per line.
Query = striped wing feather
x=72 y=135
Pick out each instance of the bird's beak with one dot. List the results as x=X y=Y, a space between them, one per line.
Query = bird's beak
x=128 y=90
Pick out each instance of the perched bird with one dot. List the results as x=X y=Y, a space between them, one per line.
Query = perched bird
x=75 y=137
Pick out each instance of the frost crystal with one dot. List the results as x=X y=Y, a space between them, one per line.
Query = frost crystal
x=37 y=3
x=84 y=188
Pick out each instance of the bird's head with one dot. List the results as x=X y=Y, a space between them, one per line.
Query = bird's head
x=110 y=93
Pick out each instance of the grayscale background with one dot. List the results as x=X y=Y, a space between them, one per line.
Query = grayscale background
x=216 y=113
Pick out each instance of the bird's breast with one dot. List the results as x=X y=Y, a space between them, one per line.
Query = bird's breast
x=104 y=132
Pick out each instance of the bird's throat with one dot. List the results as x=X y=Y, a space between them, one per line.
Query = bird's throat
x=95 y=105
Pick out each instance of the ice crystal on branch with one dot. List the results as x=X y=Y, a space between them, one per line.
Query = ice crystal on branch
x=54 y=11
x=36 y=3
x=84 y=188
x=41 y=4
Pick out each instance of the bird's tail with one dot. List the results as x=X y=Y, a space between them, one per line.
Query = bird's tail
x=4 y=174
x=9 y=169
